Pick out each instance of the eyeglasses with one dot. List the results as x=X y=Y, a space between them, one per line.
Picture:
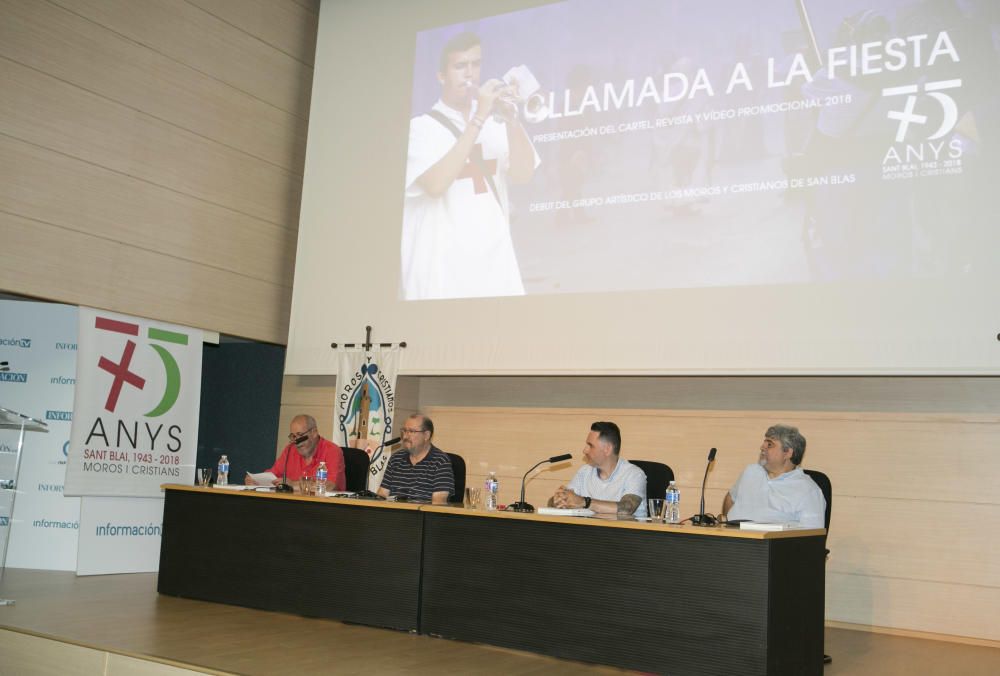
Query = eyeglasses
x=293 y=436
x=407 y=430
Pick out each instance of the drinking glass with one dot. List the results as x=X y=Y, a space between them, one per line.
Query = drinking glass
x=657 y=508
x=472 y=496
x=204 y=476
x=307 y=485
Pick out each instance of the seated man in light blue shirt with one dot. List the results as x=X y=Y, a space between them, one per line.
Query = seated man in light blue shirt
x=608 y=483
x=775 y=489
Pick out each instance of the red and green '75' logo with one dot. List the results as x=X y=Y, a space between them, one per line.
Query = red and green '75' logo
x=121 y=373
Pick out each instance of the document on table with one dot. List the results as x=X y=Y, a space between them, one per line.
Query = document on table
x=263 y=479
x=558 y=511
x=762 y=526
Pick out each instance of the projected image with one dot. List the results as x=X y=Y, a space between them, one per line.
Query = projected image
x=589 y=146
x=462 y=154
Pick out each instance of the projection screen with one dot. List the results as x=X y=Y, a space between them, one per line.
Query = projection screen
x=653 y=187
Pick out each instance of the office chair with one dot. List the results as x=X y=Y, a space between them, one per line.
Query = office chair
x=658 y=477
x=458 y=469
x=355 y=469
x=823 y=481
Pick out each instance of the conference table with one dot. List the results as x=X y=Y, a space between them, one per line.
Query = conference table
x=356 y=561
x=638 y=595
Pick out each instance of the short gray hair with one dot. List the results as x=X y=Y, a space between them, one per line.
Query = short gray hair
x=790 y=439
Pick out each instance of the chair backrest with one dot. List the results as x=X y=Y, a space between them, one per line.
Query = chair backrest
x=823 y=481
x=458 y=469
x=356 y=469
x=658 y=477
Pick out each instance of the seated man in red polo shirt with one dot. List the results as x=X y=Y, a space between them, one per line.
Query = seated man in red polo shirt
x=303 y=454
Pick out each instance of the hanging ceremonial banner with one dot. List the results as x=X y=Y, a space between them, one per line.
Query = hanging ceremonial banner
x=366 y=404
x=135 y=416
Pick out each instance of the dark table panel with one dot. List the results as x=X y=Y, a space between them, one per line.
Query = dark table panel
x=313 y=557
x=646 y=599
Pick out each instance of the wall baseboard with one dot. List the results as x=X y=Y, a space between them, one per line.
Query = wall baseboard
x=907 y=633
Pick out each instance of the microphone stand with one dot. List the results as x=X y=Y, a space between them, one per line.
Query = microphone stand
x=284 y=486
x=702 y=519
x=521 y=505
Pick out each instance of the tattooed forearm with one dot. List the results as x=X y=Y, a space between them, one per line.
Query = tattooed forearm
x=628 y=504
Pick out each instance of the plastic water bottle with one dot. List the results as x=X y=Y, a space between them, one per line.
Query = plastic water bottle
x=321 y=479
x=673 y=504
x=223 y=476
x=492 y=488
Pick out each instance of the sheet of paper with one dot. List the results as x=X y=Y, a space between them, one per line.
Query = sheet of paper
x=557 y=511
x=761 y=526
x=263 y=479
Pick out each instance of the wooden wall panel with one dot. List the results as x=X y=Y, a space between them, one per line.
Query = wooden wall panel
x=48 y=112
x=891 y=447
x=71 y=48
x=956 y=609
x=509 y=441
x=921 y=540
x=154 y=155
x=192 y=36
x=900 y=457
x=287 y=26
x=127 y=211
x=719 y=393
x=46 y=261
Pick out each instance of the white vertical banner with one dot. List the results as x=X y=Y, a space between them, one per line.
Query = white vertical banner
x=366 y=404
x=119 y=535
x=135 y=427
x=37 y=375
x=135 y=417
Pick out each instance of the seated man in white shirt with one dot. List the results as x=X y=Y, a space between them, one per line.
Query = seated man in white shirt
x=608 y=483
x=775 y=489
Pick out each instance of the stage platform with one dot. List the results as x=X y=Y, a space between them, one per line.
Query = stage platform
x=118 y=625
x=123 y=614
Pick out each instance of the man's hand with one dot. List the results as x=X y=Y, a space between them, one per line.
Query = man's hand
x=487 y=95
x=567 y=499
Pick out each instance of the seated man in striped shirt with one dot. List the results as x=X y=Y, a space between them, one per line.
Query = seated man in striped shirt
x=420 y=472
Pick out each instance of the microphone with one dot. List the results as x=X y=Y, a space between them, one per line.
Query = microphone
x=392 y=442
x=702 y=519
x=284 y=486
x=521 y=505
